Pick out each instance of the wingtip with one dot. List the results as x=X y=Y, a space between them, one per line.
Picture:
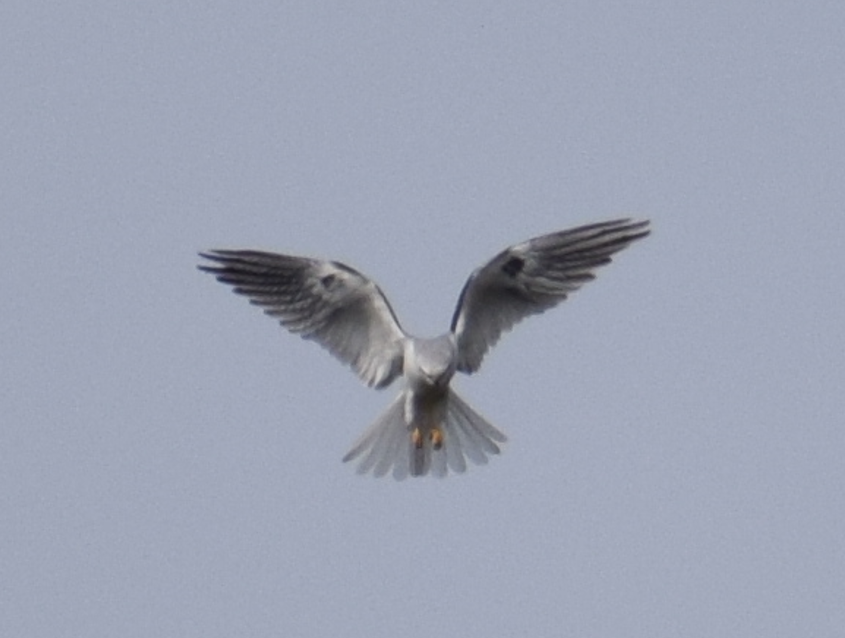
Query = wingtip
x=220 y=258
x=211 y=255
x=635 y=224
x=633 y=228
x=216 y=254
x=628 y=222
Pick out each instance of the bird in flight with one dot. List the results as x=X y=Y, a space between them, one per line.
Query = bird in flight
x=428 y=428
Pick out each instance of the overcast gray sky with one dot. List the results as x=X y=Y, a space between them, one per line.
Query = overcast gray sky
x=170 y=458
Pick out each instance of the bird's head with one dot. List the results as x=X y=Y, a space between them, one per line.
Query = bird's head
x=432 y=361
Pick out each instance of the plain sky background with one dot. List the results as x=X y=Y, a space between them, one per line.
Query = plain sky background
x=170 y=458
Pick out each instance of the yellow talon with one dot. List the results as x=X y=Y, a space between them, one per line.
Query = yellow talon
x=416 y=438
x=436 y=437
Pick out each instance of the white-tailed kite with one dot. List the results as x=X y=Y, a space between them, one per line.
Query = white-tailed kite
x=428 y=427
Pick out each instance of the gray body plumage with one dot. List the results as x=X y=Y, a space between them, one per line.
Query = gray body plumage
x=428 y=428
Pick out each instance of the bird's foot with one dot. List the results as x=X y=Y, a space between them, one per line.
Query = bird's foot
x=436 y=438
x=435 y=435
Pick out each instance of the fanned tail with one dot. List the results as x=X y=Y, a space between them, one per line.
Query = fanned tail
x=381 y=445
x=389 y=443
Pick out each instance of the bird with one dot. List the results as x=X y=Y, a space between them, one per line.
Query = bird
x=427 y=429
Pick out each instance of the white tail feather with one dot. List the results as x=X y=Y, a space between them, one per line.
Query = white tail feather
x=387 y=443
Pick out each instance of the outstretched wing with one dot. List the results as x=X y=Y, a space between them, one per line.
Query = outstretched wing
x=325 y=301
x=530 y=278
